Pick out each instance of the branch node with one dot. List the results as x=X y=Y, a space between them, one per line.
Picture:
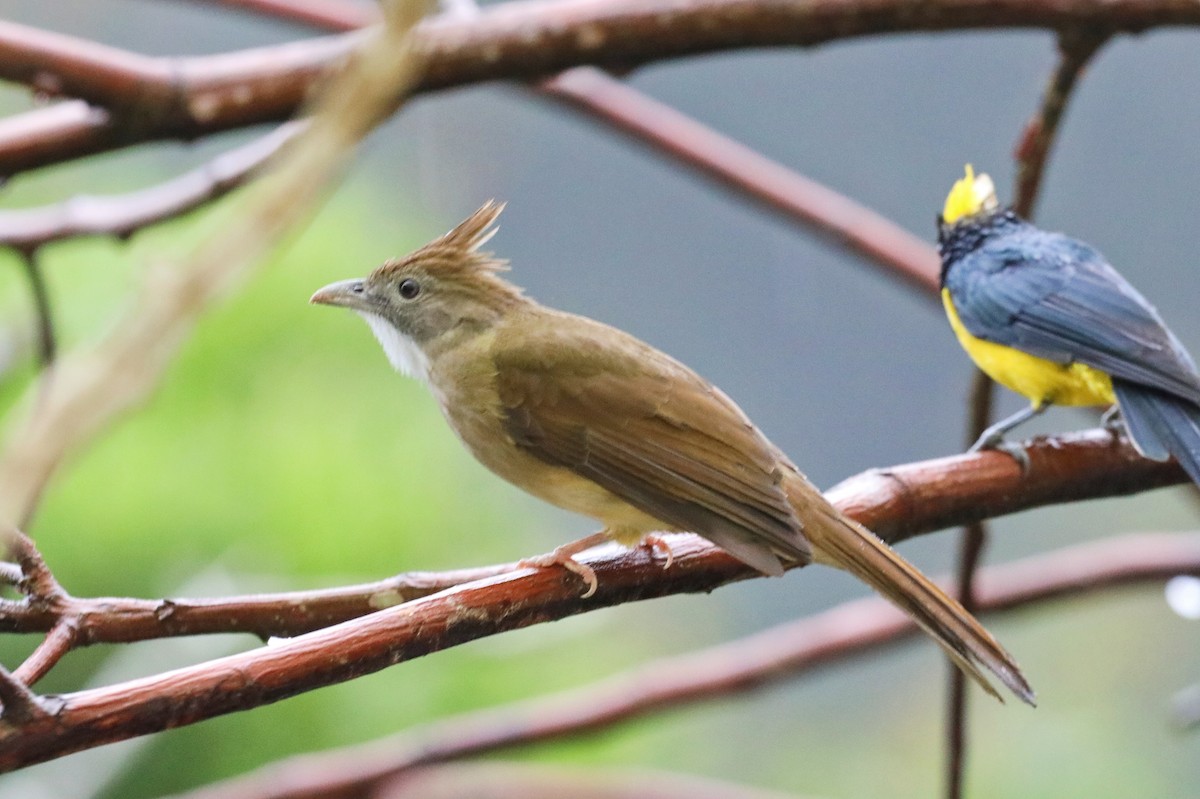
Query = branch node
x=37 y=581
x=21 y=706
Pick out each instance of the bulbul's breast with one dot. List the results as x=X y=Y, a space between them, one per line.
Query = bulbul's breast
x=472 y=407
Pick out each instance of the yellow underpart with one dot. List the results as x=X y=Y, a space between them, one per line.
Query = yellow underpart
x=1038 y=379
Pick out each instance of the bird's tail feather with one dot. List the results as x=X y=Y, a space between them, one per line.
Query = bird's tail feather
x=1161 y=424
x=844 y=543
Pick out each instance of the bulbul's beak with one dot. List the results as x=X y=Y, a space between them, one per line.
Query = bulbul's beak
x=344 y=294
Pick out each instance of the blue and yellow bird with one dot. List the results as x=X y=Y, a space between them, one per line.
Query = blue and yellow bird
x=1048 y=317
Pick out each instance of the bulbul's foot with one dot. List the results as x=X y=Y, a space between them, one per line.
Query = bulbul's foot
x=564 y=556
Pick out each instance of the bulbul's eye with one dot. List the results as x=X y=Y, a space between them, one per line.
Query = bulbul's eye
x=409 y=288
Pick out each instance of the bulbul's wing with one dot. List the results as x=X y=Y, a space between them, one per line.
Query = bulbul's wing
x=610 y=408
x=1057 y=298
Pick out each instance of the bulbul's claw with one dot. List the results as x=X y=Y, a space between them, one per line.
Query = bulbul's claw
x=566 y=561
x=656 y=543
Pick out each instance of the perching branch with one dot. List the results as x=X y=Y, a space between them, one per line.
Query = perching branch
x=776 y=654
x=898 y=501
x=522 y=40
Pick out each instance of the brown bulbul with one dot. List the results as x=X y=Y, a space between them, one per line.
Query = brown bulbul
x=593 y=420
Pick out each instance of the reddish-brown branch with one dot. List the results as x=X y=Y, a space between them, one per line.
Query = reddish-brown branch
x=332 y=14
x=744 y=170
x=726 y=161
x=516 y=40
x=19 y=705
x=178 y=98
x=125 y=620
x=124 y=214
x=750 y=663
x=534 y=781
x=37 y=581
x=62 y=638
x=899 y=501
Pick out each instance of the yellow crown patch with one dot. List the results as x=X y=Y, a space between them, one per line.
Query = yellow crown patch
x=971 y=195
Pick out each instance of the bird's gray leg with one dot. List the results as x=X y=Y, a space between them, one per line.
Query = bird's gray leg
x=993 y=437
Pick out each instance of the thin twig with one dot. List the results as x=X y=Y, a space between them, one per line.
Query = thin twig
x=972 y=542
x=1076 y=47
x=61 y=639
x=43 y=313
x=122 y=215
x=776 y=654
x=735 y=166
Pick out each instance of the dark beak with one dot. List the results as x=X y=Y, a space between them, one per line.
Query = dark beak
x=344 y=294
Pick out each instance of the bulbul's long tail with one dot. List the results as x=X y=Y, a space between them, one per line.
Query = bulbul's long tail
x=1161 y=425
x=842 y=542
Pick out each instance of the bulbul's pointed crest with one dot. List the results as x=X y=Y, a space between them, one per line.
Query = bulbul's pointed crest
x=458 y=251
x=460 y=248
x=476 y=230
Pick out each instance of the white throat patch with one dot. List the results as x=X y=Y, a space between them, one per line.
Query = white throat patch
x=406 y=357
